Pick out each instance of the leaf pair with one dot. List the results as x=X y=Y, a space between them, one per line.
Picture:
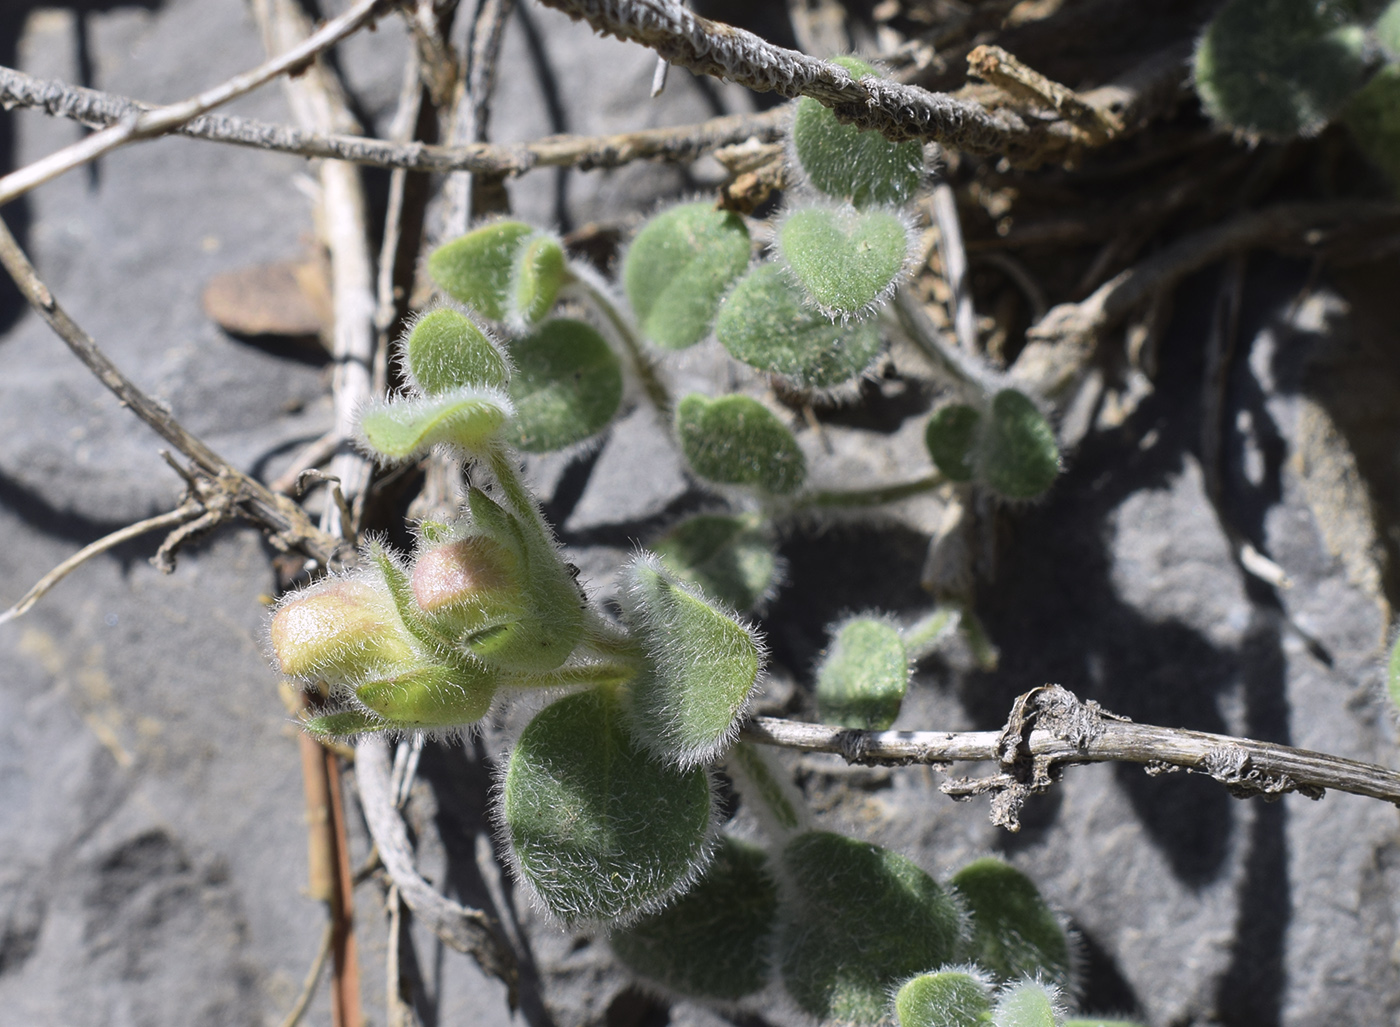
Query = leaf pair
x=506 y=270
x=1009 y=446
x=957 y=998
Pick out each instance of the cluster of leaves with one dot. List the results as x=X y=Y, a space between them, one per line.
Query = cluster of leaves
x=607 y=799
x=1276 y=69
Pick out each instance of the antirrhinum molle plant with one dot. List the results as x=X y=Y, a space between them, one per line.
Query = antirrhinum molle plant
x=606 y=799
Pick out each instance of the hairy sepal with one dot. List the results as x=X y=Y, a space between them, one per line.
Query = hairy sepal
x=600 y=830
x=736 y=440
x=767 y=323
x=507 y=270
x=340 y=629
x=847 y=261
x=955 y=996
x=445 y=349
x=702 y=664
x=678 y=269
x=728 y=558
x=469 y=418
x=855 y=920
x=1015 y=933
x=862 y=678
x=567 y=386
x=714 y=941
x=1028 y=1003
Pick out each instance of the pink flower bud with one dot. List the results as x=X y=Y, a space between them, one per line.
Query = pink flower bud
x=339 y=629
x=467 y=573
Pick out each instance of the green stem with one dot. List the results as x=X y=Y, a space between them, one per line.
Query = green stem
x=502 y=461
x=925 y=635
x=637 y=357
x=607 y=639
x=873 y=496
x=590 y=674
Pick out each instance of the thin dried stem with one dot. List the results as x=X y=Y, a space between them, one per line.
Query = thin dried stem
x=149 y=124
x=954 y=256
x=473 y=115
x=679 y=144
x=313 y=977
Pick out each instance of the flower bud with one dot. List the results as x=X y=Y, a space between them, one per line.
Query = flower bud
x=341 y=628
x=459 y=582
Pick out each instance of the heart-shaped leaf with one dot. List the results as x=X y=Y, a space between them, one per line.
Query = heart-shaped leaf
x=855 y=920
x=445 y=349
x=736 y=440
x=846 y=260
x=1014 y=933
x=1017 y=453
x=1028 y=1004
x=725 y=557
x=567 y=386
x=506 y=270
x=678 y=269
x=600 y=829
x=713 y=942
x=863 y=677
x=467 y=417
x=701 y=667
x=949 y=998
x=950 y=437
x=843 y=161
x=767 y=323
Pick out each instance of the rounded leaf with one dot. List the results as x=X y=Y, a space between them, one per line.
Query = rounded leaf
x=736 y=440
x=600 y=829
x=950 y=435
x=713 y=942
x=845 y=259
x=850 y=164
x=445 y=350
x=506 y=270
x=701 y=667
x=1014 y=933
x=1279 y=68
x=767 y=323
x=725 y=557
x=949 y=998
x=678 y=269
x=856 y=919
x=1017 y=452
x=467 y=417
x=431 y=697
x=567 y=386
x=863 y=677
x=1028 y=1004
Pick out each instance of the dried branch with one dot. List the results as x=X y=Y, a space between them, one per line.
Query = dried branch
x=466 y=930
x=1050 y=728
x=1006 y=72
x=954 y=256
x=678 y=144
x=313 y=976
x=149 y=124
x=220 y=485
x=473 y=114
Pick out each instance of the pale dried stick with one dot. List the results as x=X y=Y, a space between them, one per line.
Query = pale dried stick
x=149 y=124
x=950 y=248
x=313 y=977
x=472 y=117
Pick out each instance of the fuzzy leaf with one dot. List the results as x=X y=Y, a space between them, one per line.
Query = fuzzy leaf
x=1027 y=1004
x=1387 y=29
x=712 y=942
x=725 y=557
x=1014 y=933
x=949 y=998
x=701 y=667
x=949 y=436
x=736 y=440
x=850 y=164
x=567 y=386
x=466 y=417
x=506 y=270
x=1098 y=1021
x=678 y=269
x=1018 y=455
x=857 y=919
x=846 y=260
x=1373 y=115
x=600 y=829
x=343 y=724
x=862 y=680
x=431 y=696
x=1279 y=68
x=446 y=350
x=767 y=323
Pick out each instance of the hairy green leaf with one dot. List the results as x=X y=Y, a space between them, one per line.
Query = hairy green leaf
x=863 y=677
x=446 y=350
x=713 y=942
x=725 y=557
x=540 y=270
x=344 y=723
x=1027 y=1004
x=949 y=998
x=1373 y=116
x=845 y=259
x=600 y=829
x=567 y=386
x=1014 y=933
x=950 y=436
x=850 y=164
x=767 y=323
x=678 y=269
x=856 y=919
x=433 y=696
x=736 y=440
x=1279 y=68
x=506 y=270
x=467 y=417
x=1018 y=455
x=701 y=666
